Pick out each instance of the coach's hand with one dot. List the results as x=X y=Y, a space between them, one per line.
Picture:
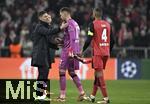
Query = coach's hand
x=63 y=25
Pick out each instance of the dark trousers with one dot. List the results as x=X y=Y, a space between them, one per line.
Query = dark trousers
x=42 y=79
x=43 y=73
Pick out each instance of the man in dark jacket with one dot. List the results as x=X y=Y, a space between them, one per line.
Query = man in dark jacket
x=41 y=36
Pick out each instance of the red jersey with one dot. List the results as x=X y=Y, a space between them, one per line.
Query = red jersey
x=101 y=38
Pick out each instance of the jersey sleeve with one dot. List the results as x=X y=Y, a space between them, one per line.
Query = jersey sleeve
x=72 y=33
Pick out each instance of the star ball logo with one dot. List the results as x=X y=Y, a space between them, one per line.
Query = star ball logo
x=129 y=69
x=20 y=90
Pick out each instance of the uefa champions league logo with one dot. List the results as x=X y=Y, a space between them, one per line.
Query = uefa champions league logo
x=129 y=69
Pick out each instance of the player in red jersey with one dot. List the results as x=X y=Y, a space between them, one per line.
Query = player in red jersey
x=99 y=35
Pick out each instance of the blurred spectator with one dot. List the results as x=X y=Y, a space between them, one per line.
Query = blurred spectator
x=15 y=48
x=124 y=36
x=7 y=41
x=130 y=20
x=136 y=36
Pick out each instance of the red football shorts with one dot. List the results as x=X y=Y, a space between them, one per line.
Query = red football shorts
x=99 y=62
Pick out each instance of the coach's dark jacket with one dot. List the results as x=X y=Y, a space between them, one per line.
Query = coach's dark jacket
x=41 y=36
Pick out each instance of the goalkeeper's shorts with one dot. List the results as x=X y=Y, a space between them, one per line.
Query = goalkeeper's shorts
x=68 y=63
x=99 y=62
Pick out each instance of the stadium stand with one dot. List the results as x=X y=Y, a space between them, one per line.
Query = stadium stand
x=130 y=21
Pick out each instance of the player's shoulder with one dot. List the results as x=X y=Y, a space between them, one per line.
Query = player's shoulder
x=72 y=23
x=105 y=22
x=101 y=22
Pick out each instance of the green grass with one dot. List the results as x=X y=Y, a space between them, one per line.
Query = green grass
x=120 y=91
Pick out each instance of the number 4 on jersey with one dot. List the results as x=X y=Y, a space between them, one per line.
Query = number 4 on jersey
x=104 y=35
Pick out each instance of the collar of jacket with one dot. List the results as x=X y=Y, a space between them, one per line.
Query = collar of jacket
x=44 y=23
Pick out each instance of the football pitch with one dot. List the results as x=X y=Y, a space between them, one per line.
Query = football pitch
x=120 y=91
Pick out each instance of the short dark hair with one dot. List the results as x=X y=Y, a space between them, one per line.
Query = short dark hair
x=98 y=12
x=66 y=9
x=41 y=13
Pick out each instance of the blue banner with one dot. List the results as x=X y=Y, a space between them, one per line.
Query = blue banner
x=128 y=69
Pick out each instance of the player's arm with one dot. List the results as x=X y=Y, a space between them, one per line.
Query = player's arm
x=45 y=31
x=89 y=37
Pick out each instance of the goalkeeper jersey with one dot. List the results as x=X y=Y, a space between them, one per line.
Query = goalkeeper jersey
x=71 y=37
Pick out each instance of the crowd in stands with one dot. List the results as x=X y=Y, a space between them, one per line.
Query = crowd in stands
x=130 y=21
